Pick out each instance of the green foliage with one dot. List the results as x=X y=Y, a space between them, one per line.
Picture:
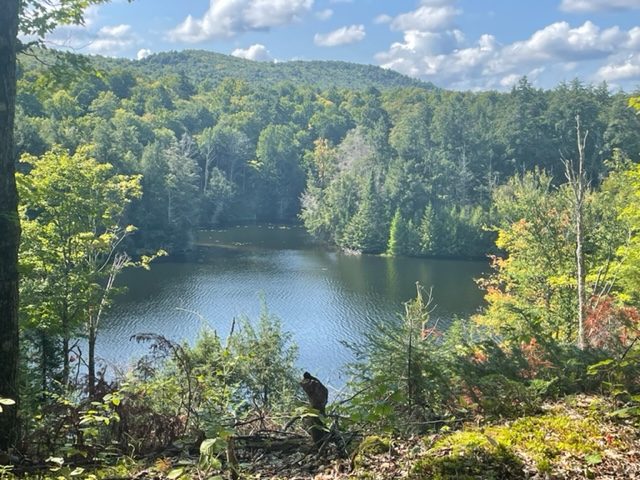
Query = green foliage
x=534 y=230
x=402 y=377
x=367 y=230
x=72 y=215
x=215 y=386
x=268 y=361
x=258 y=148
x=403 y=237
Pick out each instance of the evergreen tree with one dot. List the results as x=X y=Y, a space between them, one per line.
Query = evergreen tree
x=367 y=231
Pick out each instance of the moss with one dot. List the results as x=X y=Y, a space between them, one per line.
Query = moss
x=494 y=452
x=544 y=439
x=371 y=446
x=374 y=445
x=468 y=456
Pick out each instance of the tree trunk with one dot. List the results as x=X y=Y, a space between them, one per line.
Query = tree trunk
x=578 y=182
x=580 y=195
x=318 y=395
x=9 y=223
x=91 y=364
x=65 y=345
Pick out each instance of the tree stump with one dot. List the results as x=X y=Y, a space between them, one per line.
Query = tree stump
x=318 y=396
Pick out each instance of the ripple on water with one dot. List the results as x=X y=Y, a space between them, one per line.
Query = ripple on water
x=321 y=297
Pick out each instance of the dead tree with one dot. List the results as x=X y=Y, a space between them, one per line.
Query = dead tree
x=577 y=178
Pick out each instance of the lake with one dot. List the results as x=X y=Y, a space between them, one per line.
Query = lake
x=321 y=296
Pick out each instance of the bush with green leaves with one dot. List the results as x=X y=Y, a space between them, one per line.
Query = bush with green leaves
x=211 y=388
x=402 y=377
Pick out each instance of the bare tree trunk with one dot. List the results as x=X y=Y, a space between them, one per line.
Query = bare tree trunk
x=577 y=180
x=9 y=223
x=119 y=262
x=65 y=343
x=91 y=363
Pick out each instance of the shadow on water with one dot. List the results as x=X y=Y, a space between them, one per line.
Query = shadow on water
x=321 y=296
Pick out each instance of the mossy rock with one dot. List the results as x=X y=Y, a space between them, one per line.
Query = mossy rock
x=469 y=456
x=371 y=446
x=374 y=445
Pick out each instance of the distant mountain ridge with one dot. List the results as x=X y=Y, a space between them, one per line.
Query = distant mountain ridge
x=215 y=67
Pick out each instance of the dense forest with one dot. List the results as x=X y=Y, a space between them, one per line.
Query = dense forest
x=250 y=147
x=120 y=162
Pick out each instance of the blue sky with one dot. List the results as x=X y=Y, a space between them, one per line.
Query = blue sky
x=459 y=44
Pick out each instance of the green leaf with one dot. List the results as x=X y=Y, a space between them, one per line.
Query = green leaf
x=175 y=473
x=593 y=459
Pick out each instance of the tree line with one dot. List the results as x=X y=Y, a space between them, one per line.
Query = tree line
x=408 y=171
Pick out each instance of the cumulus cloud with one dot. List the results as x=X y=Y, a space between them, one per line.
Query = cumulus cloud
x=582 y=6
x=627 y=69
x=446 y=58
x=341 y=36
x=325 y=14
x=426 y=17
x=143 y=53
x=110 y=40
x=559 y=41
x=256 y=52
x=228 y=18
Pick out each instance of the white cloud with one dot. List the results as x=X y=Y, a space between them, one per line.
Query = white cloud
x=121 y=30
x=447 y=59
x=629 y=69
x=143 y=53
x=383 y=18
x=341 y=36
x=325 y=14
x=582 y=6
x=110 y=40
x=256 y=52
x=426 y=17
x=228 y=18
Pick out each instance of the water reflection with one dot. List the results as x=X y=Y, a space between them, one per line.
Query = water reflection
x=322 y=297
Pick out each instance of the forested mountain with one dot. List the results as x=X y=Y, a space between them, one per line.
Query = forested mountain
x=207 y=69
x=410 y=169
x=212 y=68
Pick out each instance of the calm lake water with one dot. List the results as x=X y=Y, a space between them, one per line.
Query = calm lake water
x=321 y=296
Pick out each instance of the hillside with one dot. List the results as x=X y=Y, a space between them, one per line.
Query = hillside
x=199 y=65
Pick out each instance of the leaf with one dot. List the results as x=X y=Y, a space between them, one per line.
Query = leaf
x=7 y=401
x=175 y=473
x=77 y=471
x=56 y=460
x=593 y=459
x=596 y=367
x=626 y=412
x=212 y=446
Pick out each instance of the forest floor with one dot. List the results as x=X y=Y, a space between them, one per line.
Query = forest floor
x=580 y=437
